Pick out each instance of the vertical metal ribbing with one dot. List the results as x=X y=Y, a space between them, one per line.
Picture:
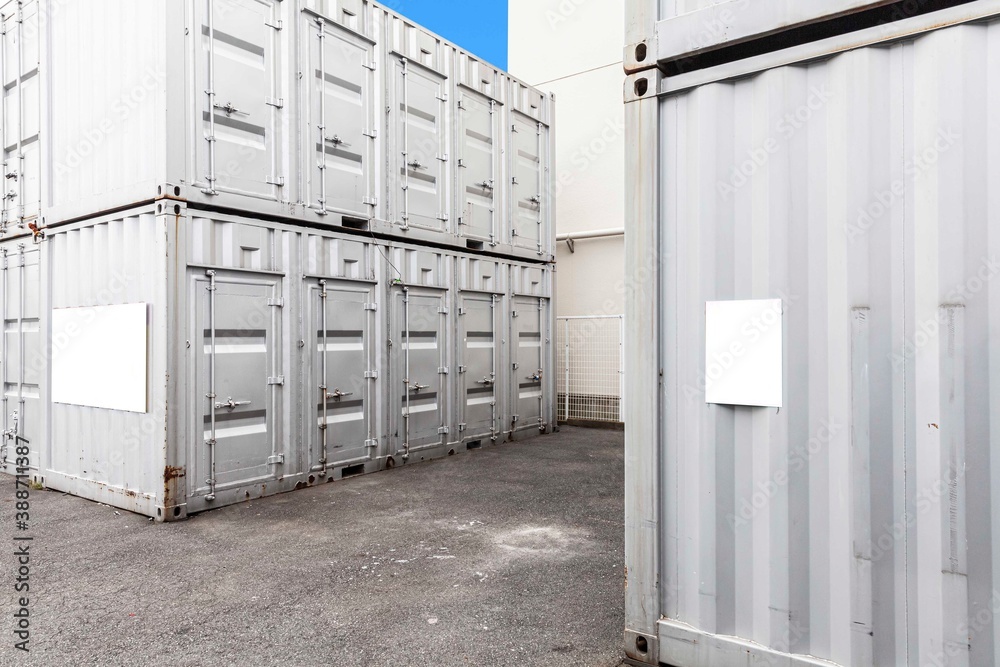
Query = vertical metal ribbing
x=212 y=176
x=406 y=146
x=20 y=114
x=3 y=346
x=493 y=173
x=3 y=117
x=322 y=138
x=541 y=184
x=323 y=386
x=406 y=380
x=493 y=370
x=541 y=364
x=20 y=329
x=211 y=385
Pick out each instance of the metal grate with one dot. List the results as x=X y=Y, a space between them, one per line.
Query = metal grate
x=591 y=368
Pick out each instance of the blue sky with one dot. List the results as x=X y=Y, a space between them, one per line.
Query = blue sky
x=479 y=27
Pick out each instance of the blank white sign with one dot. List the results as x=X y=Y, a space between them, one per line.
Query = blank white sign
x=743 y=353
x=99 y=357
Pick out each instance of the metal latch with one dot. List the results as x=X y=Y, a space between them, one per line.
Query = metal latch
x=276 y=303
x=443 y=370
x=371 y=444
x=371 y=375
x=444 y=430
x=230 y=404
x=371 y=306
x=337 y=395
x=276 y=460
x=537 y=377
x=276 y=102
x=276 y=381
x=416 y=386
x=486 y=381
x=230 y=109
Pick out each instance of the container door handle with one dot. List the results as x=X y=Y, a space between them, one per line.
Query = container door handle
x=416 y=386
x=337 y=395
x=230 y=404
x=230 y=109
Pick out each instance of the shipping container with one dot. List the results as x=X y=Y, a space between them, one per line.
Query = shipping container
x=333 y=113
x=847 y=174
x=168 y=360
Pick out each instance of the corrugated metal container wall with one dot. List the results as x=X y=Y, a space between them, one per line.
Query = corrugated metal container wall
x=858 y=523
x=276 y=357
x=339 y=114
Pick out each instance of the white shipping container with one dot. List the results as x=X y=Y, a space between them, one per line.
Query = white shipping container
x=853 y=179
x=269 y=356
x=336 y=114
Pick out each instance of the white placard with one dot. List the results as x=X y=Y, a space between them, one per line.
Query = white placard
x=99 y=357
x=744 y=353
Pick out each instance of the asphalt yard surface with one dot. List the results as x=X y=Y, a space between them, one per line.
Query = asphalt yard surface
x=505 y=556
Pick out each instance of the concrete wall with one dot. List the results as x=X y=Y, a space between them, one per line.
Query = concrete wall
x=573 y=48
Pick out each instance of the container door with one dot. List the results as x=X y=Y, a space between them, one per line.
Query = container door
x=479 y=331
x=21 y=420
x=477 y=167
x=239 y=98
x=529 y=338
x=342 y=317
x=418 y=368
x=21 y=114
x=341 y=128
x=422 y=137
x=527 y=182
x=237 y=328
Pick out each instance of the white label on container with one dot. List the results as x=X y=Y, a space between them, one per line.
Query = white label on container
x=744 y=353
x=99 y=357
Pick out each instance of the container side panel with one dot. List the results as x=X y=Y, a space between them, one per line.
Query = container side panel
x=857 y=523
x=107 y=99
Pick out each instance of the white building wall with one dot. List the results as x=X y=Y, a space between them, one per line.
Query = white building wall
x=573 y=49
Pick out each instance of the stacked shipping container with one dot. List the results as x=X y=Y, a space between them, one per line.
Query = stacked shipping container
x=338 y=223
x=847 y=168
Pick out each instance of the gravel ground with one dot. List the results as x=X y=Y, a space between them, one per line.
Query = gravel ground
x=504 y=556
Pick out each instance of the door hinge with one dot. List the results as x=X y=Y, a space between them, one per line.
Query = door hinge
x=276 y=303
x=443 y=310
x=444 y=430
x=443 y=158
x=371 y=375
x=276 y=460
x=276 y=180
x=515 y=418
x=370 y=201
x=371 y=444
x=277 y=25
x=276 y=381
x=277 y=103
x=443 y=370
x=513 y=313
x=461 y=369
x=461 y=428
x=371 y=306
x=461 y=311
x=370 y=66
x=371 y=134
x=461 y=162
x=516 y=366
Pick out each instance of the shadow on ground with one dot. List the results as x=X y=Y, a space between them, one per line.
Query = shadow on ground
x=505 y=556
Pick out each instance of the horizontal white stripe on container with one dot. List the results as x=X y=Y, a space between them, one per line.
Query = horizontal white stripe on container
x=343 y=347
x=530 y=394
x=422 y=408
x=420 y=346
x=236 y=431
x=237 y=349
x=480 y=401
x=340 y=419
x=480 y=346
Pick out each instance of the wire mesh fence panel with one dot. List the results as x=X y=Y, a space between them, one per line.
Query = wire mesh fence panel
x=591 y=369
